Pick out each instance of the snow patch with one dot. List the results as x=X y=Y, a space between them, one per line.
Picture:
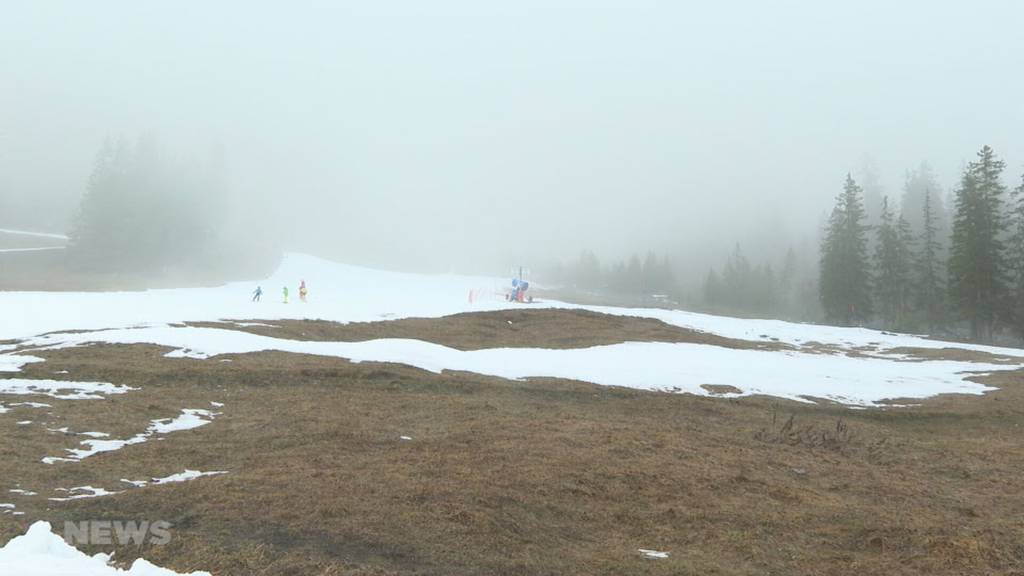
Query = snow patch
x=83 y=492
x=654 y=554
x=185 y=476
x=189 y=419
x=40 y=552
x=660 y=366
x=22 y=492
x=60 y=389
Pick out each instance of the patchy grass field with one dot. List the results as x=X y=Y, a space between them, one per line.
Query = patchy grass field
x=503 y=477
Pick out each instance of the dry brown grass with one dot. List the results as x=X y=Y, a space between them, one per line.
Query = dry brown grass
x=536 y=477
x=537 y=328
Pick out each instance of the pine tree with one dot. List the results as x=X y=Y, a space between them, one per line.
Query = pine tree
x=649 y=278
x=789 y=283
x=892 y=267
x=736 y=280
x=1016 y=259
x=905 y=242
x=844 y=275
x=141 y=211
x=977 y=263
x=929 y=296
x=922 y=186
x=712 y=289
x=765 y=287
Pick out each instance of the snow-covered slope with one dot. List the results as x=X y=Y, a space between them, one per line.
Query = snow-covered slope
x=346 y=293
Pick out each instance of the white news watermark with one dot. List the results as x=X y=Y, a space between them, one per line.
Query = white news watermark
x=117 y=532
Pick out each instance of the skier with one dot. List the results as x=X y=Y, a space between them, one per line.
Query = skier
x=303 y=291
x=257 y=294
x=285 y=290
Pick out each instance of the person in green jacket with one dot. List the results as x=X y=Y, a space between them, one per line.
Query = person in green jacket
x=285 y=290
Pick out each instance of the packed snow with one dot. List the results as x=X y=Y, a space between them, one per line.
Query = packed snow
x=40 y=552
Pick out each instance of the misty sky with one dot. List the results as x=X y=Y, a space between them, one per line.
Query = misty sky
x=475 y=134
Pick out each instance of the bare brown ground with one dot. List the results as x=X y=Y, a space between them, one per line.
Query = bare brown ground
x=537 y=477
x=539 y=328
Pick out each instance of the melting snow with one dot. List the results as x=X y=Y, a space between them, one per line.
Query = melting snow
x=32 y=405
x=653 y=554
x=189 y=419
x=84 y=492
x=173 y=478
x=673 y=367
x=40 y=552
x=61 y=389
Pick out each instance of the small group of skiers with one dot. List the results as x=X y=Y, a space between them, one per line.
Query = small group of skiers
x=257 y=295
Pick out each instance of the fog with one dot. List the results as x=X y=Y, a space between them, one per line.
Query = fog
x=469 y=135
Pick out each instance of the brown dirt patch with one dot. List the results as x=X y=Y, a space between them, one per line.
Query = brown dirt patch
x=543 y=328
x=536 y=477
x=959 y=355
x=721 y=389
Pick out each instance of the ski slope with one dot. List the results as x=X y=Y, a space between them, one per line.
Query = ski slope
x=33 y=234
x=351 y=294
x=35 y=321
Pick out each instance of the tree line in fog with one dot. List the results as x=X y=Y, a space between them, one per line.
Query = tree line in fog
x=916 y=263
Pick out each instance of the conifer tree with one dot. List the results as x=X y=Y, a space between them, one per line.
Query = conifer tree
x=921 y=185
x=929 y=296
x=844 y=274
x=892 y=266
x=788 y=283
x=1016 y=259
x=977 y=263
x=712 y=289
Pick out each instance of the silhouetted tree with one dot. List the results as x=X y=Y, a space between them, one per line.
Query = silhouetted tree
x=1016 y=259
x=930 y=296
x=977 y=264
x=844 y=275
x=892 y=267
x=142 y=211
